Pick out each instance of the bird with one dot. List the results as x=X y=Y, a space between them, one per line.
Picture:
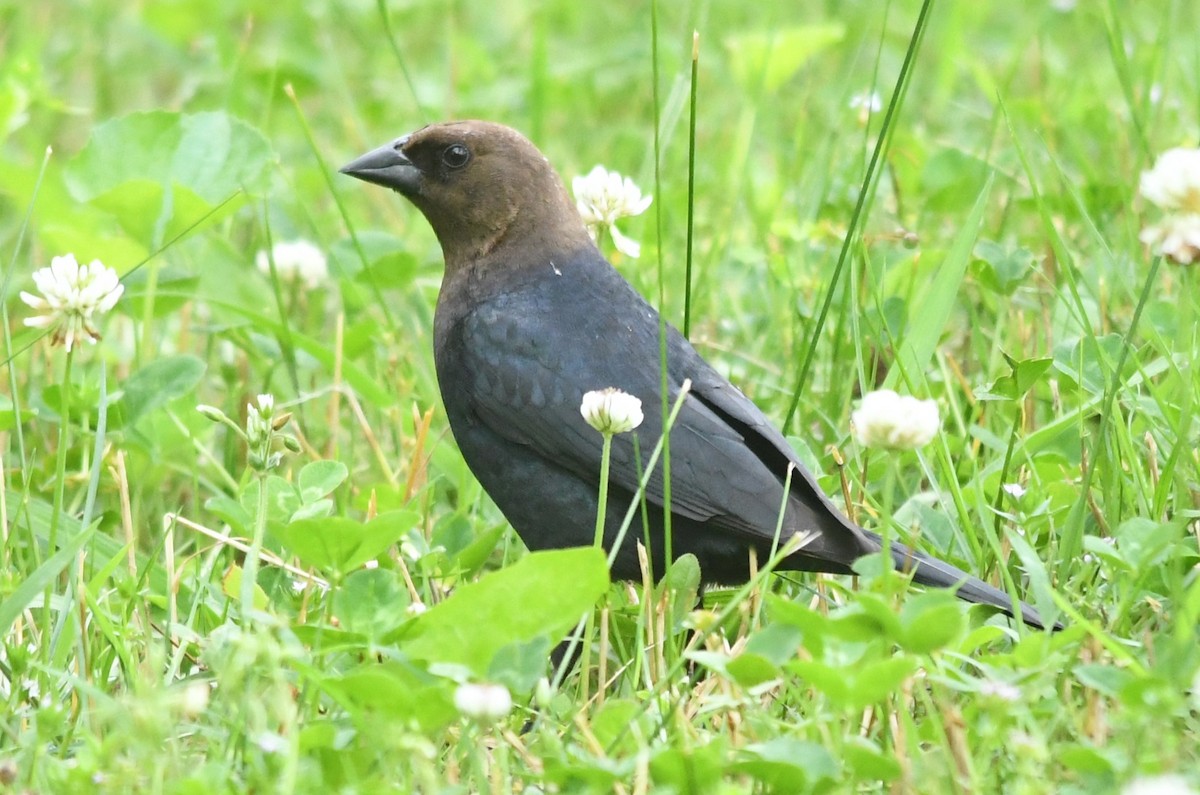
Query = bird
x=531 y=316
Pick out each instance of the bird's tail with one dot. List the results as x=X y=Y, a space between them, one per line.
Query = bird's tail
x=928 y=570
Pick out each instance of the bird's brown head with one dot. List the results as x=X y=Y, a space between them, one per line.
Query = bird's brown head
x=483 y=187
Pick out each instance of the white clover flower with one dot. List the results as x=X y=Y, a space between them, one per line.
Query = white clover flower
x=1174 y=182
x=1170 y=784
x=885 y=419
x=1176 y=237
x=1174 y=186
x=485 y=703
x=271 y=743
x=605 y=197
x=611 y=411
x=1001 y=691
x=194 y=698
x=295 y=261
x=72 y=297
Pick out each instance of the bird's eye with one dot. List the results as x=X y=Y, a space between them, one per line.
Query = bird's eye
x=456 y=155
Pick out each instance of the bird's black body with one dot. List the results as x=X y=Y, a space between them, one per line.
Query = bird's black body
x=528 y=321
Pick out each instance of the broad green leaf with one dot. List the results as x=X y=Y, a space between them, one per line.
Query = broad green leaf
x=158 y=383
x=1087 y=362
x=372 y=602
x=231 y=586
x=930 y=621
x=211 y=154
x=1001 y=269
x=750 y=670
x=520 y=664
x=396 y=690
x=689 y=770
x=158 y=172
x=319 y=478
x=338 y=545
x=776 y=642
x=786 y=764
x=868 y=760
x=543 y=593
x=683 y=581
x=1023 y=375
x=877 y=680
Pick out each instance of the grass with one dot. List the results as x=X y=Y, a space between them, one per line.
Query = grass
x=994 y=266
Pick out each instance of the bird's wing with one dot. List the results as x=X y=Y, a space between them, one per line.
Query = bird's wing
x=531 y=354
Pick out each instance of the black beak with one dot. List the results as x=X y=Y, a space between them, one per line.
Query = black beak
x=386 y=166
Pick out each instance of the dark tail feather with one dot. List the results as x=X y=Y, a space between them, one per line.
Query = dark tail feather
x=928 y=570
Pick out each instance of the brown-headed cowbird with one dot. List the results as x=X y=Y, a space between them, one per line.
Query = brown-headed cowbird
x=531 y=316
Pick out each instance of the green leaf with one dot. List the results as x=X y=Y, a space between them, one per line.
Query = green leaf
x=1000 y=269
x=8 y=415
x=930 y=621
x=338 y=545
x=520 y=664
x=775 y=642
x=1086 y=362
x=231 y=586
x=371 y=602
x=158 y=383
x=1023 y=376
x=1085 y=759
x=868 y=760
x=770 y=58
x=750 y=670
x=949 y=179
x=395 y=690
x=835 y=683
x=229 y=511
x=159 y=172
x=785 y=764
x=693 y=770
x=877 y=680
x=683 y=582
x=543 y=593
x=319 y=478
x=210 y=154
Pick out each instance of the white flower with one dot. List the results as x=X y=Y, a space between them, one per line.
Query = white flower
x=483 y=702
x=416 y=608
x=885 y=419
x=1001 y=691
x=1174 y=186
x=194 y=698
x=1174 y=182
x=295 y=261
x=258 y=418
x=1169 y=784
x=866 y=104
x=72 y=297
x=271 y=743
x=871 y=102
x=1176 y=237
x=1014 y=490
x=605 y=197
x=611 y=410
